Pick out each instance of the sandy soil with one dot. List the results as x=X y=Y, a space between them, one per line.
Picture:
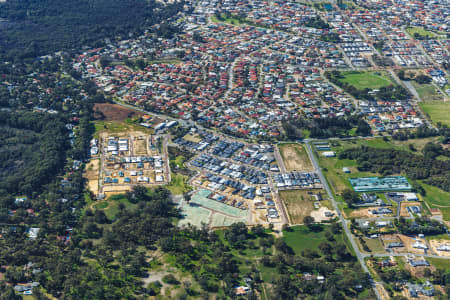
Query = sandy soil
x=140 y=144
x=295 y=157
x=91 y=174
x=408 y=242
x=114 y=190
x=434 y=244
x=319 y=215
x=365 y=213
x=383 y=293
x=403 y=211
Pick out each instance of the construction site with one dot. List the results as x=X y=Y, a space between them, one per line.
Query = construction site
x=121 y=160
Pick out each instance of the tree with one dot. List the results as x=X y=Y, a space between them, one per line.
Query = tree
x=326 y=248
x=187 y=197
x=308 y=221
x=350 y=197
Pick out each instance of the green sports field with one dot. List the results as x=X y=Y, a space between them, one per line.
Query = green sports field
x=363 y=80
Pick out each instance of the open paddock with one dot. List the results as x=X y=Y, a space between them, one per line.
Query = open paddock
x=295 y=157
x=299 y=203
x=114 y=112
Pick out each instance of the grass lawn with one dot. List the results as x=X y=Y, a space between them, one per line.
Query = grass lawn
x=178 y=185
x=229 y=20
x=427 y=91
x=438 y=111
x=437 y=198
x=337 y=179
x=295 y=157
x=440 y=263
x=374 y=244
x=362 y=80
x=179 y=161
x=111 y=205
x=301 y=238
x=421 y=31
x=299 y=204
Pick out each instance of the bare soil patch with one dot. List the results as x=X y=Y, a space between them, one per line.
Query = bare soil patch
x=319 y=214
x=298 y=203
x=114 y=112
x=408 y=242
x=295 y=157
x=403 y=210
x=91 y=174
x=434 y=244
x=365 y=213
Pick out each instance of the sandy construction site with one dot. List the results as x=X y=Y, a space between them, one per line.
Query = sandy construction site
x=125 y=159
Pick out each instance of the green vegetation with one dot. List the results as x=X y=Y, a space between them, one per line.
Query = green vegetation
x=437 y=198
x=420 y=33
x=300 y=238
x=298 y=203
x=438 y=111
x=361 y=85
x=427 y=91
x=374 y=245
x=32 y=151
x=416 y=166
x=178 y=185
x=326 y=127
x=440 y=263
x=76 y=23
x=363 y=80
x=229 y=19
x=337 y=179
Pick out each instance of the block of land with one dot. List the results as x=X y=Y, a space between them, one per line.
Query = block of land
x=295 y=157
x=438 y=111
x=299 y=204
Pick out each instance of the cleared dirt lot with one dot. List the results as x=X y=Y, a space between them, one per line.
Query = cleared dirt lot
x=319 y=214
x=365 y=213
x=140 y=144
x=434 y=244
x=295 y=157
x=91 y=174
x=403 y=210
x=299 y=204
x=114 y=112
x=408 y=242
